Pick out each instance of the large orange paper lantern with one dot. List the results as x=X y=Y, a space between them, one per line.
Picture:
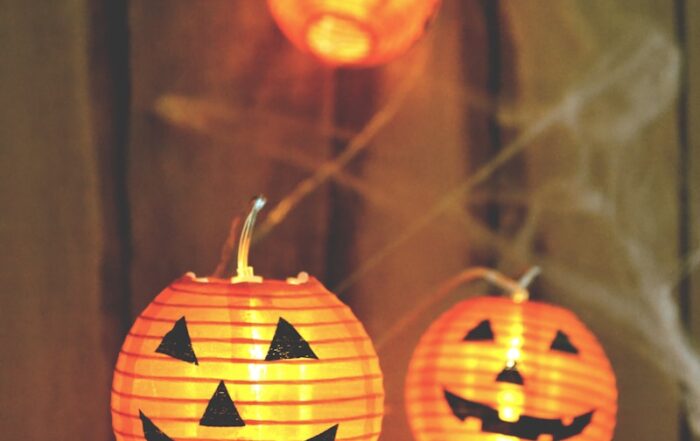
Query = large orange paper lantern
x=247 y=359
x=354 y=32
x=499 y=369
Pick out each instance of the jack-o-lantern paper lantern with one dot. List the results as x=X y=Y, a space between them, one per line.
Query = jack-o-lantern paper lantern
x=354 y=32
x=500 y=369
x=247 y=359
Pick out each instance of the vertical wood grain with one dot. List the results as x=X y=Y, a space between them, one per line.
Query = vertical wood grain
x=692 y=18
x=109 y=85
x=58 y=334
x=481 y=56
x=685 y=230
x=354 y=104
x=223 y=109
x=423 y=153
x=691 y=23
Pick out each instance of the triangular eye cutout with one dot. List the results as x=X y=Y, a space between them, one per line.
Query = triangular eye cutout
x=177 y=343
x=562 y=343
x=221 y=412
x=480 y=332
x=328 y=435
x=288 y=344
x=151 y=431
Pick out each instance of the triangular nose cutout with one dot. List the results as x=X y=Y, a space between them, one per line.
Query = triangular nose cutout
x=288 y=344
x=221 y=412
x=510 y=374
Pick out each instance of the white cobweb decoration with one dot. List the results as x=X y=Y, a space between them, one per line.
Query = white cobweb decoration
x=635 y=84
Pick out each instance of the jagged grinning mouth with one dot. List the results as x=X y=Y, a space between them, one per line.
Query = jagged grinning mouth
x=527 y=427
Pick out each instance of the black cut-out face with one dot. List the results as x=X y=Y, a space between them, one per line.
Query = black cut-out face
x=221 y=411
x=526 y=426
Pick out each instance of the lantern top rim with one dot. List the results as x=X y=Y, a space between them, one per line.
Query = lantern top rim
x=302 y=282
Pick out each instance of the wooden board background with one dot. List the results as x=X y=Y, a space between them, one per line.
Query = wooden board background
x=132 y=133
x=60 y=328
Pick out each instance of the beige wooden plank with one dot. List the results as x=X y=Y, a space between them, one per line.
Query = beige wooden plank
x=691 y=101
x=693 y=62
x=612 y=68
x=423 y=152
x=693 y=118
x=55 y=369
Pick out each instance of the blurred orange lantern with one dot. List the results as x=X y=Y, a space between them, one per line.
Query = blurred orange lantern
x=501 y=369
x=354 y=32
x=247 y=359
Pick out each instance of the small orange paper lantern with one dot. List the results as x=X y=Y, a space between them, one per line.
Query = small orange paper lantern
x=354 y=32
x=499 y=369
x=247 y=359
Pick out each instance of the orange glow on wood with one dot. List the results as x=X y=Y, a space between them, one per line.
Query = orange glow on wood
x=354 y=32
x=232 y=328
x=558 y=385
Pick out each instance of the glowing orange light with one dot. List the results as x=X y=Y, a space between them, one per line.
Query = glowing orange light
x=232 y=327
x=495 y=369
x=354 y=32
x=247 y=359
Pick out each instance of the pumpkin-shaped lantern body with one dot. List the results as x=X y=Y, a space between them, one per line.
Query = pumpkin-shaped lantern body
x=213 y=360
x=354 y=32
x=493 y=369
